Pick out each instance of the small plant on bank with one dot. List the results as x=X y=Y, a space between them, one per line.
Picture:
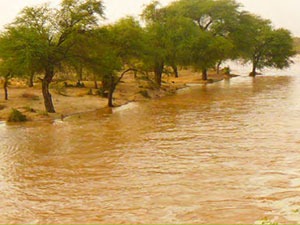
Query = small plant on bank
x=16 y=116
x=226 y=70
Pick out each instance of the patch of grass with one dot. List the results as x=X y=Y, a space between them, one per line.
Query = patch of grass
x=16 y=116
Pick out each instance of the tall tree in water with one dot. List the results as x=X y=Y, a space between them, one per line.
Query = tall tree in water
x=262 y=45
x=55 y=32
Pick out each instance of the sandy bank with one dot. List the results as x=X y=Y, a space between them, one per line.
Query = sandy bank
x=73 y=100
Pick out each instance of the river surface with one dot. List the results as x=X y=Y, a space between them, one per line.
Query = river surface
x=224 y=153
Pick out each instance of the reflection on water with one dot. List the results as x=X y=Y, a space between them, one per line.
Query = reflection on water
x=223 y=153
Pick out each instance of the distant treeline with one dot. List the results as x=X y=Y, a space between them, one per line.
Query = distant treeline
x=192 y=33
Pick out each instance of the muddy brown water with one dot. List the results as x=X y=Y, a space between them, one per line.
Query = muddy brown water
x=225 y=153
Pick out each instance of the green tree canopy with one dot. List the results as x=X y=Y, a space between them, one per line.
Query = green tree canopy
x=55 y=31
x=216 y=20
x=262 y=45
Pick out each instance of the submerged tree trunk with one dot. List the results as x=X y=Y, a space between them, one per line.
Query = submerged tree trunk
x=158 y=71
x=255 y=61
x=253 y=73
x=49 y=74
x=204 y=74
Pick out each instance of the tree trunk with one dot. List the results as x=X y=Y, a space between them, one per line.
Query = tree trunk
x=111 y=91
x=175 y=70
x=49 y=74
x=95 y=82
x=204 y=74
x=255 y=61
x=253 y=73
x=30 y=80
x=5 y=85
x=158 y=70
x=218 y=67
x=80 y=73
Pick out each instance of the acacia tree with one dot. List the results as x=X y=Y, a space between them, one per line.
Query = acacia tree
x=257 y=42
x=17 y=59
x=55 y=31
x=154 y=31
x=168 y=36
x=205 y=51
x=113 y=51
x=215 y=20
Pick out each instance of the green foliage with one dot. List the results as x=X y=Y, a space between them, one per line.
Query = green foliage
x=226 y=70
x=44 y=39
x=258 y=42
x=16 y=116
x=194 y=32
x=198 y=33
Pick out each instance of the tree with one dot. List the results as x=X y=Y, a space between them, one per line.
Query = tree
x=55 y=32
x=168 y=35
x=179 y=34
x=155 y=30
x=113 y=51
x=263 y=46
x=206 y=51
x=16 y=57
x=127 y=41
x=216 y=20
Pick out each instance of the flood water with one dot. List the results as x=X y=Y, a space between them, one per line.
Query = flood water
x=223 y=153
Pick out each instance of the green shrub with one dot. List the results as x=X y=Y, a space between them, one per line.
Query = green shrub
x=16 y=116
x=226 y=70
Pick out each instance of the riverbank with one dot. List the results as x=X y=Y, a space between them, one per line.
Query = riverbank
x=73 y=100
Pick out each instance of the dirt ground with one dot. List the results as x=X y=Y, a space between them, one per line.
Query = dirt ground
x=73 y=100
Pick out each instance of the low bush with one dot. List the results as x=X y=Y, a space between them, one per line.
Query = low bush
x=16 y=116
